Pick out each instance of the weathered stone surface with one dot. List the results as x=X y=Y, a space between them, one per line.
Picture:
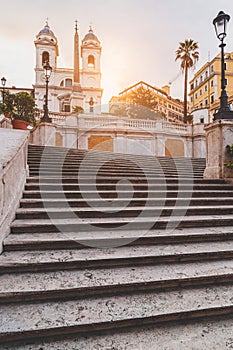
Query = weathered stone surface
x=13 y=172
x=218 y=135
x=199 y=335
x=48 y=315
x=180 y=268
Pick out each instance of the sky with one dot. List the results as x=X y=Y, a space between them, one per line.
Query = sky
x=139 y=38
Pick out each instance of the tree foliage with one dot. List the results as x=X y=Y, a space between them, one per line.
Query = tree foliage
x=188 y=55
x=19 y=106
x=7 y=106
x=144 y=97
x=142 y=104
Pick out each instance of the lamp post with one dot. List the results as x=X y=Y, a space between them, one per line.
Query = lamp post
x=3 y=81
x=220 y=24
x=47 y=73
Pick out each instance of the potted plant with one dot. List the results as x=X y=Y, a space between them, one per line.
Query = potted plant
x=24 y=110
x=20 y=108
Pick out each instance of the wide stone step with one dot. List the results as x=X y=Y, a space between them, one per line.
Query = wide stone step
x=109 y=180
x=27 y=261
x=83 y=153
x=132 y=162
x=138 y=223
x=205 y=334
x=117 y=175
x=120 y=211
x=121 y=161
x=124 y=194
x=105 y=313
x=114 y=172
x=79 y=203
x=126 y=186
x=85 y=239
x=40 y=286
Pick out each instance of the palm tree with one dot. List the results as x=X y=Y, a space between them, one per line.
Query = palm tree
x=188 y=54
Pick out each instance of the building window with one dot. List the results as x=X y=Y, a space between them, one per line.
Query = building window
x=192 y=86
x=202 y=120
x=206 y=74
x=191 y=99
x=212 y=68
x=201 y=105
x=45 y=57
x=91 y=61
x=68 y=83
x=66 y=108
x=206 y=87
x=212 y=98
x=200 y=92
x=212 y=83
x=206 y=102
x=196 y=95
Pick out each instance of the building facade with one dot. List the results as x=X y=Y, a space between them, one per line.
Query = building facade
x=205 y=87
x=170 y=108
x=69 y=88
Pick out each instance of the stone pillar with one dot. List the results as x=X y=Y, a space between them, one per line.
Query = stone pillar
x=219 y=134
x=44 y=135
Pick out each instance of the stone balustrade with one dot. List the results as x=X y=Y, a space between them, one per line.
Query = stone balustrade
x=13 y=172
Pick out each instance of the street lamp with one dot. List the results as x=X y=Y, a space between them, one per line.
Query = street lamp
x=47 y=74
x=220 y=24
x=3 y=80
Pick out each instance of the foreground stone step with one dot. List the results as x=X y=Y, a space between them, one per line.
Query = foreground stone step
x=132 y=164
x=109 y=180
x=68 y=172
x=27 y=261
x=205 y=334
x=67 y=284
x=116 y=312
x=119 y=211
x=138 y=223
x=83 y=240
x=99 y=203
x=121 y=186
x=113 y=158
x=124 y=194
x=117 y=176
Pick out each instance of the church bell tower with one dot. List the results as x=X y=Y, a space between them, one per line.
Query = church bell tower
x=91 y=72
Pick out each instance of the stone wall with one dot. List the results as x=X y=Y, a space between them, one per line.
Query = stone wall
x=219 y=134
x=13 y=172
x=123 y=135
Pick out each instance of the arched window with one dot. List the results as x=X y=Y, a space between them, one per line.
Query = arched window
x=91 y=61
x=66 y=83
x=45 y=57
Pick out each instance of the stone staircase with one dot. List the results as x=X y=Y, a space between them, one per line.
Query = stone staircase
x=111 y=251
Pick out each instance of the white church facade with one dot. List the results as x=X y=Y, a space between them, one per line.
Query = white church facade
x=68 y=88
